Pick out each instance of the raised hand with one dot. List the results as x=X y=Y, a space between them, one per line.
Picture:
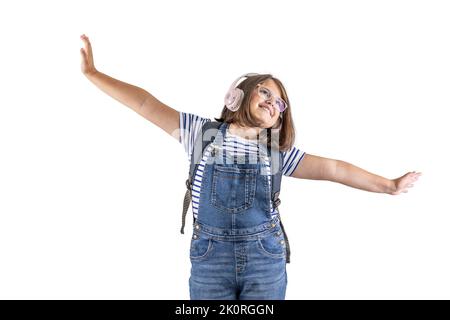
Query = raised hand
x=87 y=58
x=404 y=182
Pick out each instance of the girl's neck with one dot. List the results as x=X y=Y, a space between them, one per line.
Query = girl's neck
x=249 y=133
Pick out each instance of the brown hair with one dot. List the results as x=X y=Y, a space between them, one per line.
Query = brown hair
x=284 y=127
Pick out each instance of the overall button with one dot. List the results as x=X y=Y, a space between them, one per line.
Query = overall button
x=195 y=237
x=278 y=233
x=273 y=225
x=282 y=242
x=197 y=227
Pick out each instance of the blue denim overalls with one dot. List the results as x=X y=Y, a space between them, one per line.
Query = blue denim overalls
x=237 y=249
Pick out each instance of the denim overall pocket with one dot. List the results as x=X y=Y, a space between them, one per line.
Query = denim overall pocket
x=201 y=247
x=233 y=188
x=273 y=245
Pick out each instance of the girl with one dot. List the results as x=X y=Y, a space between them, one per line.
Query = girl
x=239 y=249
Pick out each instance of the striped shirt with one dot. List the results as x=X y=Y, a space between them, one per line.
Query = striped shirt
x=233 y=145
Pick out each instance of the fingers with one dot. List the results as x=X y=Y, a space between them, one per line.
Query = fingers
x=87 y=64
x=85 y=39
x=406 y=181
x=87 y=44
x=414 y=176
x=83 y=54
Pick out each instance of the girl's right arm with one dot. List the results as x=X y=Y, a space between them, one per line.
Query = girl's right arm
x=132 y=96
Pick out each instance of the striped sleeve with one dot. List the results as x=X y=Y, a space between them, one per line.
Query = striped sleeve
x=190 y=126
x=291 y=159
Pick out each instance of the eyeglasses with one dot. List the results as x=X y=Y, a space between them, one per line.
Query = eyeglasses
x=266 y=94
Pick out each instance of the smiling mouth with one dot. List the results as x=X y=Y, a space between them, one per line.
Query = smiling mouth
x=269 y=110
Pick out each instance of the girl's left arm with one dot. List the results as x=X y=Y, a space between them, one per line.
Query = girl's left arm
x=319 y=168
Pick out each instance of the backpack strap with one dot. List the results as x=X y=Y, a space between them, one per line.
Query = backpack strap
x=200 y=145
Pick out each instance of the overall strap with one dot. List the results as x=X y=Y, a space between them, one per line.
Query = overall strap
x=276 y=175
x=201 y=142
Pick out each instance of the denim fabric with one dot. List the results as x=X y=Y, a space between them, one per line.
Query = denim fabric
x=237 y=249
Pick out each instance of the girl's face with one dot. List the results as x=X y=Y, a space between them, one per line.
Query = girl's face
x=265 y=111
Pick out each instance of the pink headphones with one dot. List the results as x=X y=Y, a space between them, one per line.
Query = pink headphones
x=234 y=96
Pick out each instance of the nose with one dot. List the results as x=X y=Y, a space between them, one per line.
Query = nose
x=269 y=100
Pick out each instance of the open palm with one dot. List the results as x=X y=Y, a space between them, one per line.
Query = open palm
x=87 y=57
x=404 y=182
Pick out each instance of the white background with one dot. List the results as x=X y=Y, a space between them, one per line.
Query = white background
x=91 y=193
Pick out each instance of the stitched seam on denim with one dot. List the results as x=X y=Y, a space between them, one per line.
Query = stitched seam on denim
x=246 y=190
x=235 y=265
x=264 y=228
x=267 y=196
x=238 y=238
x=236 y=169
x=252 y=191
x=213 y=187
x=241 y=255
x=207 y=253
x=273 y=255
